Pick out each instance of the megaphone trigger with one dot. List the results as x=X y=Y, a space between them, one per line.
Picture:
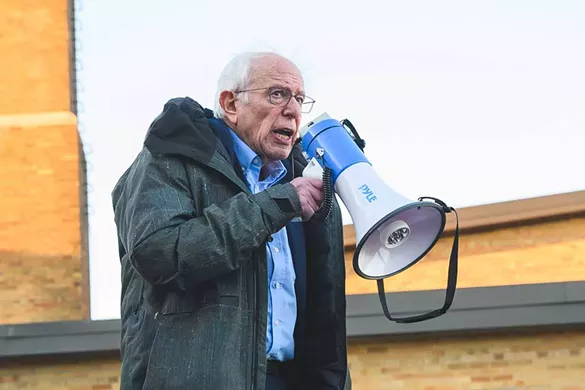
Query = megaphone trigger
x=313 y=169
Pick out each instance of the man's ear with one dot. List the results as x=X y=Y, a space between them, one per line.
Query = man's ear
x=227 y=101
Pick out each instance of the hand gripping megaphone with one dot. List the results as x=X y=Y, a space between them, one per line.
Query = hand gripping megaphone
x=392 y=232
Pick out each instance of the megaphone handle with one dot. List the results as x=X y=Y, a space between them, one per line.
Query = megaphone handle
x=451 y=287
x=323 y=212
x=354 y=134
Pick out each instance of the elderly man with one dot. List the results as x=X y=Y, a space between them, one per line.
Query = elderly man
x=223 y=286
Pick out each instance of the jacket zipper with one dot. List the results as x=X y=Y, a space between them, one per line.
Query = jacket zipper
x=255 y=330
x=344 y=379
x=255 y=289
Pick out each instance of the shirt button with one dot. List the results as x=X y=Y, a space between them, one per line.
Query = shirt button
x=276 y=285
x=277 y=322
x=276 y=249
x=255 y=161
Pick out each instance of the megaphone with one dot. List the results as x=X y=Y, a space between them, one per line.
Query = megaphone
x=392 y=232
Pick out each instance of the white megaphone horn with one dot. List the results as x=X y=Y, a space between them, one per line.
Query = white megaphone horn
x=392 y=232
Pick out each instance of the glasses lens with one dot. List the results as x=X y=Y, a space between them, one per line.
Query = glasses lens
x=279 y=96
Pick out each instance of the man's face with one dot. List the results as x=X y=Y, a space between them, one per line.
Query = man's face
x=268 y=129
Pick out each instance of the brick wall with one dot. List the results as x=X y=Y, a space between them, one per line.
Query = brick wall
x=98 y=372
x=554 y=360
x=42 y=272
x=35 y=56
x=40 y=235
x=41 y=276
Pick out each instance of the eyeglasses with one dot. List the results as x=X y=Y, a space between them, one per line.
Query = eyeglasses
x=281 y=96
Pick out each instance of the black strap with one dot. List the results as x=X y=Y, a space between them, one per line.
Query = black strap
x=451 y=281
x=360 y=142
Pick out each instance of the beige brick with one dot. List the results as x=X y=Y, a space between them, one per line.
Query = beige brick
x=552 y=360
x=61 y=373
x=34 y=42
x=39 y=184
x=40 y=235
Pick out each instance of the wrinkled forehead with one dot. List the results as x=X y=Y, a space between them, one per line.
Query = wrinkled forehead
x=276 y=71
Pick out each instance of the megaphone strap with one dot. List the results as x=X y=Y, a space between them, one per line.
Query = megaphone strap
x=451 y=281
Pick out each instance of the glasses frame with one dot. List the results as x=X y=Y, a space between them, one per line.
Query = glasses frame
x=308 y=101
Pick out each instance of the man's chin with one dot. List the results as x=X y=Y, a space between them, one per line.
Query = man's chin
x=277 y=155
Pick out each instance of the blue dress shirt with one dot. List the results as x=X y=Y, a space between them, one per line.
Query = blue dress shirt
x=282 y=304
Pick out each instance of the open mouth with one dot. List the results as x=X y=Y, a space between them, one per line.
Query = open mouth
x=283 y=134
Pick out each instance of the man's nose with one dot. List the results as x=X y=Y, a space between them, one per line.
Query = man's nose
x=292 y=109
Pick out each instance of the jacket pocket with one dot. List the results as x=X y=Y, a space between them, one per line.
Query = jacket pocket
x=205 y=349
x=184 y=303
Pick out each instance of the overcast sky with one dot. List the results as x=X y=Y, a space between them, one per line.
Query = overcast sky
x=471 y=102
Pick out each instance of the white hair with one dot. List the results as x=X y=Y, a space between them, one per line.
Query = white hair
x=236 y=76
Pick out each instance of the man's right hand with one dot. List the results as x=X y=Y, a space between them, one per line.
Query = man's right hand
x=310 y=191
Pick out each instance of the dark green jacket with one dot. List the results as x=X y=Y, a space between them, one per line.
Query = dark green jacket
x=194 y=284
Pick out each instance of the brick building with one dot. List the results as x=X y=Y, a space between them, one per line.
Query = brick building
x=518 y=320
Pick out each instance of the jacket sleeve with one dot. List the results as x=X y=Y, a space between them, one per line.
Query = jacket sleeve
x=170 y=241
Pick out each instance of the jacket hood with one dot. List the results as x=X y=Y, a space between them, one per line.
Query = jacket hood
x=183 y=128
